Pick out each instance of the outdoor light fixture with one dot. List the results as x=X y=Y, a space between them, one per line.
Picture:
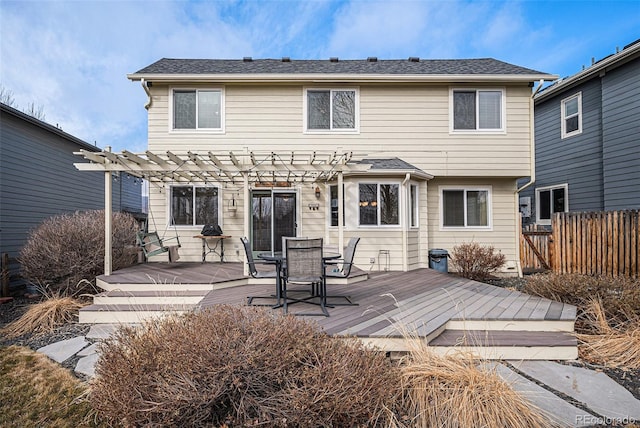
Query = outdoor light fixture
x=317 y=192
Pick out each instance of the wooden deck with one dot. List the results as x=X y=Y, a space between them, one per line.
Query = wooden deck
x=393 y=306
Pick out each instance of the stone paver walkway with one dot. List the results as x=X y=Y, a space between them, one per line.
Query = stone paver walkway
x=602 y=400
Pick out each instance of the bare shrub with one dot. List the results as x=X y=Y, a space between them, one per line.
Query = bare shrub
x=619 y=297
x=68 y=248
x=44 y=317
x=240 y=366
x=461 y=391
x=474 y=261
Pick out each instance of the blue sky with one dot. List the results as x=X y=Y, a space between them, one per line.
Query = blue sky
x=72 y=57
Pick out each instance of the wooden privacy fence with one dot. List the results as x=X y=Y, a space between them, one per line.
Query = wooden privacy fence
x=590 y=243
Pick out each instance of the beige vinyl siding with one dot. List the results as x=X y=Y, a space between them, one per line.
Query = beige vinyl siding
x=410 y=122
x=504 y=214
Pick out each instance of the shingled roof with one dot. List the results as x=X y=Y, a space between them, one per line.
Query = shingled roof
x=371 y=66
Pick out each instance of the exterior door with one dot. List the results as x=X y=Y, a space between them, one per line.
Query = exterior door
x=273 y=216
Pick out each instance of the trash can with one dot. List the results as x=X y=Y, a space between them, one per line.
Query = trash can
x=438 y=260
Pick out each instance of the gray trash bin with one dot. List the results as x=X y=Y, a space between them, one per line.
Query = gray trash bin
x=439 y=260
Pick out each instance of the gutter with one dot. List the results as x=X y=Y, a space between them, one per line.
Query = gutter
x=405 y=236
x=532 y=144
x=148 y=92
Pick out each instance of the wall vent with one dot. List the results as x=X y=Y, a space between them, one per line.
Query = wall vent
x=414 y=59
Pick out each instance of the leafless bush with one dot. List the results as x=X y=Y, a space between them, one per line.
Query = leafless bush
x=474 y=261
x=619 y=297
x=65 y=249
x=240 y=366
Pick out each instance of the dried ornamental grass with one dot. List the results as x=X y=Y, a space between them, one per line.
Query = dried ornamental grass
x=460 y=392
x=44 y=317
x=611 y=346
x=37 y=392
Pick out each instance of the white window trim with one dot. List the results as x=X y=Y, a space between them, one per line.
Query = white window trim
x=503 y=112
x=563 y=118
x=220 y=130
x=344 y=205
x=355 y=130
x=488 y=189
x=400 y=202
x=564 y=186
x=417 y=207
x=192 y=226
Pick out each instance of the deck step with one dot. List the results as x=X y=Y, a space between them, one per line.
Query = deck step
x=508 y=344
x=146 y=297
x=127 y=313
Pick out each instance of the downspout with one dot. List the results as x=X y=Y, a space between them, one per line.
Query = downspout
x=405 y=237
x=148 y=92
x=532 y=167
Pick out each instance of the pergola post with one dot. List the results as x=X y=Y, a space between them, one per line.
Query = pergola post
x=340 y=213
x=247 y=212
x=107 y=220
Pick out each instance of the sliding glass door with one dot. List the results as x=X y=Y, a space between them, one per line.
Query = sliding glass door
x=273 y=216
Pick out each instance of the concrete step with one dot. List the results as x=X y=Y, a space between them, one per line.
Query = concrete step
x=515 y=345
x=149 y=297
x=126 y=313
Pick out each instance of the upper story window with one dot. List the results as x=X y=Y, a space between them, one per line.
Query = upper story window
x=465 y=207
x=550 y=200
x=197 y=109
x=379 y=204
x=477 y=110
x=194 y=205
x=331 y=110
x=572 y=115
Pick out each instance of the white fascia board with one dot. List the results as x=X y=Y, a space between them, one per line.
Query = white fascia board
x=392 y=172
x=320 y=77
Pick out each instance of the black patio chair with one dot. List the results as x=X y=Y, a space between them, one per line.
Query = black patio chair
x=305 y=266
x=255 y=273
x=341 y=268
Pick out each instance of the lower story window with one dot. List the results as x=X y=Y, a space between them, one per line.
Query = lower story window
x=194 y=206
x=334 y=205
x=379 y=204
x=550 y=200
x=465 y=207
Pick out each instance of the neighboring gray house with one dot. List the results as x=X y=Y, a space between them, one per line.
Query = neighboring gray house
x=587 y=139
x=38 y=178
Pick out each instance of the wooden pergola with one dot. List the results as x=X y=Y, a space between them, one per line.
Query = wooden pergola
x=246 y=167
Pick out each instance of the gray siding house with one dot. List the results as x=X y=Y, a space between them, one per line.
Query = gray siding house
x=38 y=178
x=587 y=141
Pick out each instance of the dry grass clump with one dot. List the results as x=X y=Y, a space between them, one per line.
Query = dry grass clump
x=44 y=317
x=65 y=249
x=474 y=261
x=619 y=297
x=36 y=392
x=240 y=366
x=612 y=346
x=458 y=391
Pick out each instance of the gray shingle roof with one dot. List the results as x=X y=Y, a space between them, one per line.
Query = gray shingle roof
x=389 y=163
x=482 y=66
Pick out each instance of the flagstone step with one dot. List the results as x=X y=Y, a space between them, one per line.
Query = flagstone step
x=139 y=297
x=127 y=313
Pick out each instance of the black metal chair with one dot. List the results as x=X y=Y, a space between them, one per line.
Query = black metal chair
x=341 y=268
x=255 y=273
x=305 y=266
